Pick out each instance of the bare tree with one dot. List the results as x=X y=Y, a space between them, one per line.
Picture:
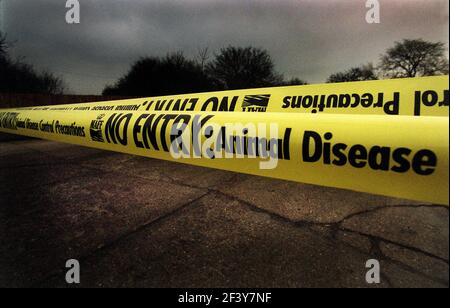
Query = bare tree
x=152 y=76
x=52 y=84
x=240 y=68
x=363 y=72
x=203 y=57
x=3 y=44
x=294 y=82
x=20 y=77
x=411 y=58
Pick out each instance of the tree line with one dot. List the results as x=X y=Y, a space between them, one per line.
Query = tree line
x=228 y=69
x=19 y=77
x=249 y=67
x=408 y=58
x=233 y=68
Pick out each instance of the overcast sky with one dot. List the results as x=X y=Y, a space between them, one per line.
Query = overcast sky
x=309 y=39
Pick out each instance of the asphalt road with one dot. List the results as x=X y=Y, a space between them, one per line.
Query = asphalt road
x=138 y=222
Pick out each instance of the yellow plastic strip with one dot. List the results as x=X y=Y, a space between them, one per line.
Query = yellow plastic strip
x=403 y=157
x=424 y=96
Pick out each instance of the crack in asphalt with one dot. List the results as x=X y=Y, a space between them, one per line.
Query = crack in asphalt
x=335 y=227
x=117 y=240
x=375 y=249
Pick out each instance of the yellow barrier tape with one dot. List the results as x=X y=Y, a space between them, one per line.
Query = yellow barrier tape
x=426 y=96
x=403 y=157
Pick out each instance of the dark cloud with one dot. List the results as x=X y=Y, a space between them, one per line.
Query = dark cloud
x=309 y=39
